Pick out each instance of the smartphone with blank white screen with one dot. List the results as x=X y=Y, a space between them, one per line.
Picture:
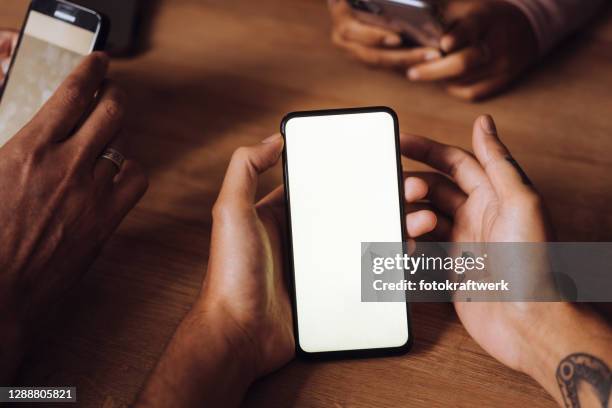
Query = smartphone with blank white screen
x=55 y=37
x=343 y=186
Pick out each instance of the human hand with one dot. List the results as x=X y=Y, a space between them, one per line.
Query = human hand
x=480 y=197
x=60 y=200
x=486 y=197
x=245 y=282
x=240 y=328
x=8 y=42
x=489 y=44
x=372 y=45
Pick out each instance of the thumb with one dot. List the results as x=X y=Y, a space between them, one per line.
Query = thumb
x=503 y=171
x=247 y=163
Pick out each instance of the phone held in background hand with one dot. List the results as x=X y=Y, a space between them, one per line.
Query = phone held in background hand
x=54 y=39
x=416 y=20
x=343 y=186
x=126 y=15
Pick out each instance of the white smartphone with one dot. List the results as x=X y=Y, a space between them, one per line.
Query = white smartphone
x=343 y=186
x=55 y=37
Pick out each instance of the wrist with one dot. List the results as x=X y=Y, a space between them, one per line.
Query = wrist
x=541 y=329
x=555 y=331
x=203 y=365
x=213 y=328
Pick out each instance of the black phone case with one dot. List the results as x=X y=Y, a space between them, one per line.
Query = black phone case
x=344 y=354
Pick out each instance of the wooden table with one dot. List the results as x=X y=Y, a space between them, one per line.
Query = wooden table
x=220 y=74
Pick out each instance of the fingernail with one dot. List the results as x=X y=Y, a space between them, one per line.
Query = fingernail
x=432 y=55
x=392 y=41
x=103 y=58
x=5 y=66
x=413 y=74
x=271 y=139
x=446 y=43
x=488 y=125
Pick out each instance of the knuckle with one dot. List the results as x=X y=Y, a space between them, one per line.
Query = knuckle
x=460 y=157
x=72 y=95
x=241 y=154
x=19 y=148
x=114 y=102
x=463 y=64
x=344 y=30
x=531 y=199
x=470 y=95
x=221 y=211
x=98 y=59
x=527 y=199
x=36 y=154
x=113 y=108
x=45 y=129
x=30 y=154
x=337 y=39
x=97 y=63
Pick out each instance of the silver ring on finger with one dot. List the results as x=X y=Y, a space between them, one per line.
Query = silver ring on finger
x=114 y=156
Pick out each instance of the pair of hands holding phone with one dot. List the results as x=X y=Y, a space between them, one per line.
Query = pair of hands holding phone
x=488 y=44
x=243 y=315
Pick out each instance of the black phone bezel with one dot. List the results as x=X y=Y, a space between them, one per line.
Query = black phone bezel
x=341 y=354
x=43 y=6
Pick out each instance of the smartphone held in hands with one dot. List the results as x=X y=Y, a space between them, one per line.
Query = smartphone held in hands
x=343 y=186
x=54 y=39
x=419 y=21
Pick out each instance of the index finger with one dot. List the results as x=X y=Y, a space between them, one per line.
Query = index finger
x=452 y=66
x=367 y=35
x=63 y=111
x=461 y=165
x=399 y=58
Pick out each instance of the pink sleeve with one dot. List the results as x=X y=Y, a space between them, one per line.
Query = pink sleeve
x=553 y=20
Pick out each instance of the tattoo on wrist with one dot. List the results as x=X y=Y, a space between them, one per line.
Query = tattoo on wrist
x=579 y=368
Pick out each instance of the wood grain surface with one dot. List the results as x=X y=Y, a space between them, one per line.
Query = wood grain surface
x=219 y=74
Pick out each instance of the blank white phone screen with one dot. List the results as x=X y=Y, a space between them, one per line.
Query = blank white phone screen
x=343 y=190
